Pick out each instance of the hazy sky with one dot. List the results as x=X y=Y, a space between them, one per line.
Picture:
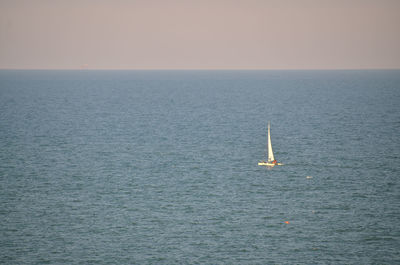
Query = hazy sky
x=200 y=34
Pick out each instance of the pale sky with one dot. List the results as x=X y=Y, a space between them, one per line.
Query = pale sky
x=199 y=34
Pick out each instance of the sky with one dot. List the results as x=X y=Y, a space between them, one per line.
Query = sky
x=200 y=34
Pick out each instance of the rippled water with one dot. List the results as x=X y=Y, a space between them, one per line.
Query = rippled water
x=160 y=167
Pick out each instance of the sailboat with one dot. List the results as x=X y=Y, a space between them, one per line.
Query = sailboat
x=271 y=159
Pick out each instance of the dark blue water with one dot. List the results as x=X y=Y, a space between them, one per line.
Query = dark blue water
x=160 y=167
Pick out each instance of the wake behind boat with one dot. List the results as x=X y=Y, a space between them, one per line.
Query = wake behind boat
x=271 y=161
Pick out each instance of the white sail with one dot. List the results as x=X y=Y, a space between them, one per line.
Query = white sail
x=270 y=153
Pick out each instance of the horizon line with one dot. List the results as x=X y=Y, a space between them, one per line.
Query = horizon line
x=195 y=69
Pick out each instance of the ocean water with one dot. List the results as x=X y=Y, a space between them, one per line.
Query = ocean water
x=160 y=167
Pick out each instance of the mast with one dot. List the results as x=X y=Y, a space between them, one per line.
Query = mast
x=270 y=153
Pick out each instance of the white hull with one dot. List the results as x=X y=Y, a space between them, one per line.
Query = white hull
x=267 y=164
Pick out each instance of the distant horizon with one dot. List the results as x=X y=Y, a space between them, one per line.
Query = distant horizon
x=198 y=69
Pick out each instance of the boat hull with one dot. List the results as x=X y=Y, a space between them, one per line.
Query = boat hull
x=269 y=164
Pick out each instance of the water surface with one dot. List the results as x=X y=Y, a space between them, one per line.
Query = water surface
x=160 y=167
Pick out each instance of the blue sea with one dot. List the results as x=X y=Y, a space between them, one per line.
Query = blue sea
x=160 y=167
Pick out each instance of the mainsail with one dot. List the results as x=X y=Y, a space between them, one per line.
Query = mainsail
x=270 y=153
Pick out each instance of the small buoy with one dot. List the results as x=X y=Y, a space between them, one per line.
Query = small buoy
x=309 y=177
x=287 y=222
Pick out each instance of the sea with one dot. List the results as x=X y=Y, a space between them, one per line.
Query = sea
x=161 y=167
